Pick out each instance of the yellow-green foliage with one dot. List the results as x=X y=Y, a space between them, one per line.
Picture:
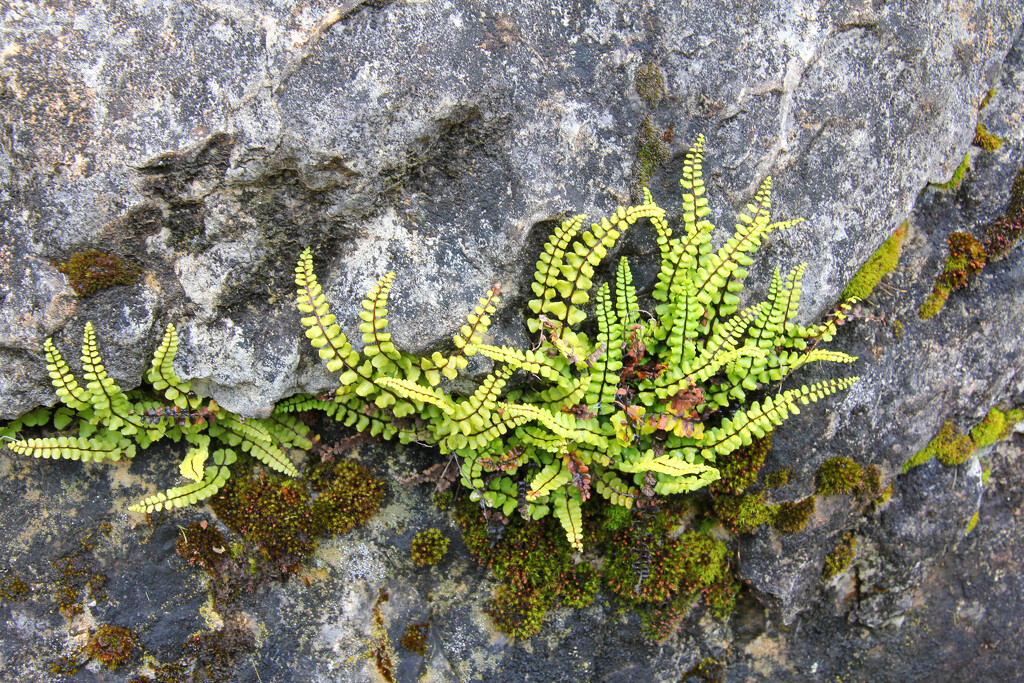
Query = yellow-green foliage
x=949 y=446
x=987 y=141
x=972 y=522
x=996 y=426
x=838 y=476
x=791 y=517
x=958 y=175
x=966 y=258
x=841 y=556
x=428 y=547
x=647 y=402
x=112 y=424
x=881 y=263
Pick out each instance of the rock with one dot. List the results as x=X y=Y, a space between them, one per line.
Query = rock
x=209 y=146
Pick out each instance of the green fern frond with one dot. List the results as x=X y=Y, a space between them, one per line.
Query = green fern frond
x=161 y=372
x=216 y=476
x=75 y=448
x=68 y=389
x=568 y=511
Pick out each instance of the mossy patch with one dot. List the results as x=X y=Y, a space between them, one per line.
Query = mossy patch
x=90 y=271
x=958 y=175
x=949 y=446
x=987 y=141
x=881 y=263
x=838 y=476
x=112 y=645
x=841 y=556
x=415 y=638
x=996 y=426
x=739 y=469
x=743 y=514
x=650 y=84
x=651 y=153
x=792 y=516
x=428 y=547
x=972 y=522
x=966 y=258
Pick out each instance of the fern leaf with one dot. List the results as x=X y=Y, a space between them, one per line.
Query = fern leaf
x=75 y=448
x=109 y=403
x=549 y=268
x=216 y=476
x=378 y=347
x=568 y=511
x=761 y=418
x=68 y=389
x=550 y=477
x=321 y=325
x=552 y=369
x=161 y=371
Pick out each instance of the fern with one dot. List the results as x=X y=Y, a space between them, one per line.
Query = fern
x=114 y=425
x=650 y=403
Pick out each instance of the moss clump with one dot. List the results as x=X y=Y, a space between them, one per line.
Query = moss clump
x=721 y=597
x=987 y=141
x=841 y=556
x=579 y=586
x=958 y=175
x=282 y=519
x=13 y=589
x=881 y=263
x=520 y=613
x=415 y=638
x=949 y=446
x=112 y=645
x=443 y=500
x=428 y=547
x=743 y=514
x=650 y=84
x=838 y=476
x=651 y=153
x=348 y=496
x=90 y=271
x=778 y=478
x=533 y=561
x=966 y=258
x=972 y=522
x=792 y=516
x=200 y=544
x=739 y=469
x=707 y=670
x=996 y=426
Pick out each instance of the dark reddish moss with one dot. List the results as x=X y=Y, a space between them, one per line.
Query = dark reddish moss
x=200 y=544
x=838 y=476
x=13 y=589
x=792 y=516
x=743 y=514
x=739 y=469
x=721 y=597
x=428 y=547
x=112 y=645
x=415 y=638
x=519 y=613
x=90 y=271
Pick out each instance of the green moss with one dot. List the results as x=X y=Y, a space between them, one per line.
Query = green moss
x=651 y=153
x=650 y=84
x=841 y=556
x=792 y=516
x=519 y=613
x=838 y=476
x=579 y=586
x=533 y=562
x=707 y=670
x=428 y=547
x=965 y=259
x=90 y=271
x=972 y=522
x=996 y=426
x=743 y=514
x=739 y=469
x=958 y=175
x=987 y=141
x=112 y=645
x=443 y=500
x=778 y=478
x=281 y=517
x=415 y=638
x=721 y=597
x=348 y=495
x=949 y=446
x=13 y=589
x=897 y=329
x=881 y=263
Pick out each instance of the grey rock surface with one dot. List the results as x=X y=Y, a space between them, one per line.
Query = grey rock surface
x=209 y=143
